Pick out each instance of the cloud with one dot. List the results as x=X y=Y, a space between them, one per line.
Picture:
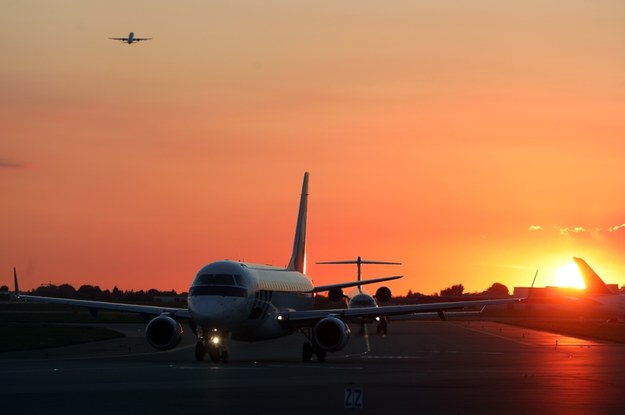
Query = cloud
x=8 y=164
x=616 y=228
x=535 y=228
x=575 y=230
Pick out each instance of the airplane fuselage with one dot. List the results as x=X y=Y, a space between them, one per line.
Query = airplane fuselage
x=243 y=298
x=612 y=304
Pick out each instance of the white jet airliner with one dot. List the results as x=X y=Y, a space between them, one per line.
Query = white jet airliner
x=131 y=38
x=252 y=302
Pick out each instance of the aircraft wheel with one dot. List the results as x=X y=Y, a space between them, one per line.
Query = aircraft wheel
x=224 y=356
x=307 y=352
x=321 y=355
x=215 y=353
x=200 y=351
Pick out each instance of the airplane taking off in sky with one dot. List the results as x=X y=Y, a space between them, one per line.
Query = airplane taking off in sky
x=131 y=38
x=597 y=292
x=252 y=302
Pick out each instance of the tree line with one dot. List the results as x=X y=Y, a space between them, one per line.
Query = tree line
x=95 y=293
x=91 y=292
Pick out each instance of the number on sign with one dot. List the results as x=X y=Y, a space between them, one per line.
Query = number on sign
x=353 y=398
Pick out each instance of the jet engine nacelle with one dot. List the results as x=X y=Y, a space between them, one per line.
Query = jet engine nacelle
x=336 y=295
x=331 y=334
x=383 y=295
x=163 y=333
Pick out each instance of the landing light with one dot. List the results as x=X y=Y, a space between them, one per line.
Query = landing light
x=215 y=340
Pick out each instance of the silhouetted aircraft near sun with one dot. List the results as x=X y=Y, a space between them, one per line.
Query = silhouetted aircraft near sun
x=597 y=292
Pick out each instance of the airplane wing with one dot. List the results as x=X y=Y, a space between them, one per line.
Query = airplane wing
x=439 y=315
x=308 y=317
x=124 y=39
x=329 y=287
x=101 y=305
x=139 y=39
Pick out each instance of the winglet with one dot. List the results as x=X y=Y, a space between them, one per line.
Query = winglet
x=298 y=257
x=534 y=280
x=16 y=285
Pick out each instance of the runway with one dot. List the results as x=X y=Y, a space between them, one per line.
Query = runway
x=420 y=367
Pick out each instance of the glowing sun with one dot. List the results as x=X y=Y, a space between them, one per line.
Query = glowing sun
x=568 y=276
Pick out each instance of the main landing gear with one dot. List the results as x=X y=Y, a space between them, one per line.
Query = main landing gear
x=382 y=326
x=211 y=342
x=308 y=349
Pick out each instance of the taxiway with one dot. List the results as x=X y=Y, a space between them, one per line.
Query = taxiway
x=420 y=367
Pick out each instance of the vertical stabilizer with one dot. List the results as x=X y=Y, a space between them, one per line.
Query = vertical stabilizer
x=298 y=257
x=594 y=284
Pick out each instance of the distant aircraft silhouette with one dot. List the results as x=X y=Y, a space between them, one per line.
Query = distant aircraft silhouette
x=131 y=38
x=598 y=293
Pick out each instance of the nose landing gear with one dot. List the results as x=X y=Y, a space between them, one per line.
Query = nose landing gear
x=212 y=343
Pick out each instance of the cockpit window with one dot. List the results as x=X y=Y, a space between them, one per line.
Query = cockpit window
x=219 y=279
x=227 y=285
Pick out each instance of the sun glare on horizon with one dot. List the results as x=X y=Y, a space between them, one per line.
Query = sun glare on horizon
x=568 y=276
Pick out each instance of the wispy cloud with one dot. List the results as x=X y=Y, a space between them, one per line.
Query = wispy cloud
x=575 y=230
x=580 y=233
x=616 y=228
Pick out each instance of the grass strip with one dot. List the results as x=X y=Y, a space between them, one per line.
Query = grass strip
x=32 y=336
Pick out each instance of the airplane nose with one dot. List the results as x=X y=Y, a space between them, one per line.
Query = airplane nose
x=213 y=311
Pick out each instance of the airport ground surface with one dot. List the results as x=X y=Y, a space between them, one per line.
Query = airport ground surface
x=420 y=367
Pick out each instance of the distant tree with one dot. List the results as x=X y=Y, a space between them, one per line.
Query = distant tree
x=89 y=292
x=454 y=290
x=4 y=293
x=153 y=292
x=116 y=293
x=497 y=290
x=66 y=290
x=49 y=290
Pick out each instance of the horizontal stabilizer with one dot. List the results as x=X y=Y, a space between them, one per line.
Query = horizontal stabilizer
x=322 y=288
x=356 y=261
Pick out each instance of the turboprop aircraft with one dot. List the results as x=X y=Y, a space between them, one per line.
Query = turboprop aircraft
x=252 y=302
x=362 y=299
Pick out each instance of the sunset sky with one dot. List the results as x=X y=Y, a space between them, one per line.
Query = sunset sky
x=473 y=141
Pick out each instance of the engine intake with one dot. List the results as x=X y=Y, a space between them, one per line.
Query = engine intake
x=383 y=294
x=163 y=333
x=336 y=295
x=331 y=334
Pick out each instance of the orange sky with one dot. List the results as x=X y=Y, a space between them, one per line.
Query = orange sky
x=474 y=141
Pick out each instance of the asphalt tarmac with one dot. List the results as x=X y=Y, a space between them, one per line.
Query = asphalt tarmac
x=420 y=367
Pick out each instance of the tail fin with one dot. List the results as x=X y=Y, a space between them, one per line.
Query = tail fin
x=359 y=261
x=298 y=257
x=594 y=284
